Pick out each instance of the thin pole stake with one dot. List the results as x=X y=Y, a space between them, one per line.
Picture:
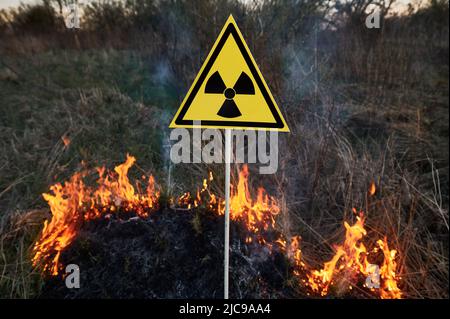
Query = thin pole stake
x=227 y=209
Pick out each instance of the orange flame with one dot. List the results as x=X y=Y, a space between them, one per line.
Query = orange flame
x=257 y=214
x=389 y=289
x=66 y=141
x=351 y=260
x=74 y=203
x=351 y=255
x=372 y=189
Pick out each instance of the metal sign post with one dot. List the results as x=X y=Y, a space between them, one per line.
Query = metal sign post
x=227 y=210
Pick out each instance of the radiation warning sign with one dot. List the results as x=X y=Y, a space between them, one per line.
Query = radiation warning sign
x=230 y=91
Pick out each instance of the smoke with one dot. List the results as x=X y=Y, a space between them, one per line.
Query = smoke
x=165 y=119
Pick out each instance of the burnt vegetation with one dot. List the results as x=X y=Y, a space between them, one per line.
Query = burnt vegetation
x=363 y=105
x=164 y=256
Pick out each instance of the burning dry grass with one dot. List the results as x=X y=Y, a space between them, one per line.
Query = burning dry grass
x=323 y=175
x=363 y=108
x=74 y=204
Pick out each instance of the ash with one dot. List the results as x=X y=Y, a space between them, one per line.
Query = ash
x=171 y=254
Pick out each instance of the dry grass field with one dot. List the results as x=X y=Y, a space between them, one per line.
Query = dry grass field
x=364 y=106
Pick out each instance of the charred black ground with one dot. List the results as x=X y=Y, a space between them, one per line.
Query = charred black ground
x=172 y=254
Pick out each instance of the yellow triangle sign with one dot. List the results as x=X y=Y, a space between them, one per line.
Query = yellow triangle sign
x=229 y=91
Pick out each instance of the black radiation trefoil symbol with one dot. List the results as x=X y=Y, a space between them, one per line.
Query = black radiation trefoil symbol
x=243 y=85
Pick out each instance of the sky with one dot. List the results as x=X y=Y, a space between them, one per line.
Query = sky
x=14 y=3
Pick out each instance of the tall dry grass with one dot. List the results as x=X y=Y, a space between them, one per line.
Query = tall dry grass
x=363 y=106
